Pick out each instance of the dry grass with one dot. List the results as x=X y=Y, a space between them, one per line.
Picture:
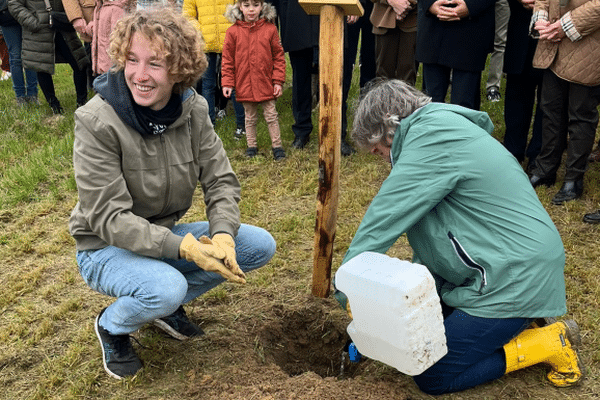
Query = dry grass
x=269 y=339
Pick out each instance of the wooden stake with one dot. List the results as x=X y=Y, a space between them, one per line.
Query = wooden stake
x=331 y=50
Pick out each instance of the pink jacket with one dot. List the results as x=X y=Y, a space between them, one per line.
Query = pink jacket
x=106 y=15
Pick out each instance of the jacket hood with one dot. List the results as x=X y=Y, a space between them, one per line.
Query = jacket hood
x=479 y=118
x=113 y=88
x=234 y=14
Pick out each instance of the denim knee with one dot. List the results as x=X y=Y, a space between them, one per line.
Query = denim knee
x=255 y=247
x=166 y=295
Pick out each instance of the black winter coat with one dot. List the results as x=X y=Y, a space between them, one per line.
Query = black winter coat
x=462 y=44
x=299 y=30
x=38 y=51
x=520 y=47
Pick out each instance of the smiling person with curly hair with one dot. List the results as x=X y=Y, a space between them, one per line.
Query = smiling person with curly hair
x=142 y=145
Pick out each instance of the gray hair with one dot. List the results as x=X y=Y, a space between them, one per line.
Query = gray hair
x=382 y=105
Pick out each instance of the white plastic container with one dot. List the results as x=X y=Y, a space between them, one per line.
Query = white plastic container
x=397 y=316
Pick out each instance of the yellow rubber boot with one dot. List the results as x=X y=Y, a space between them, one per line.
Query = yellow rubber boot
x=555 y=345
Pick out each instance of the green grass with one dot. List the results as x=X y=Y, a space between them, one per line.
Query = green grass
x=47 y=345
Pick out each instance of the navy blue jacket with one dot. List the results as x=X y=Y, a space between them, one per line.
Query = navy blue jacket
x=462 y=44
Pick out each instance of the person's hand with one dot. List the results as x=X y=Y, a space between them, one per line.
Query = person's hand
x=352 y=19
x=227 y=91
x=400 y=7
x=89 y=30
x=552 y=32
x=277 y=90
x=449 y=10
x=541 y=24
x=528 y=4
x=225 y=242
x=207 y=256
x=79 y=24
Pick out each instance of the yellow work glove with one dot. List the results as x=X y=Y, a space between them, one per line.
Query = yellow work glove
x=206 y=255
x=225 y=242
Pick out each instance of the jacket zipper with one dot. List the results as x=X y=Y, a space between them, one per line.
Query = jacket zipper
x=167 y=173
x=468 y=261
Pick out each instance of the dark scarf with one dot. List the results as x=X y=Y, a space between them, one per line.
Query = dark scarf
x=113 y=88
x=156 y=122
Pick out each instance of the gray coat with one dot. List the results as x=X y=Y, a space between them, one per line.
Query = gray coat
x=38 y=51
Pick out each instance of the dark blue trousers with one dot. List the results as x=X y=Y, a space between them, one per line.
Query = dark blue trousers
x=519 y=100
x=302 y=62
x=465 y=85
x=475 y=352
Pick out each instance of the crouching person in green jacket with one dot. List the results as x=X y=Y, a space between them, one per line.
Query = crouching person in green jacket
x=142 y=145
x=473 y=219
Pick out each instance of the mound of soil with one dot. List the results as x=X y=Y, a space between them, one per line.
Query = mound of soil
x=299 y=354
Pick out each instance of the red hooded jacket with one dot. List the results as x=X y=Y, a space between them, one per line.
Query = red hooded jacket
x=253 y=58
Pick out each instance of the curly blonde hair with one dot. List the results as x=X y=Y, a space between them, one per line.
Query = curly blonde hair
x=173 y=37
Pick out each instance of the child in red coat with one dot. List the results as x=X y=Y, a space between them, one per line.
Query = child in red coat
x=253 y=64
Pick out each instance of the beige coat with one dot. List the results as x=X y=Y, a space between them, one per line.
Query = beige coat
x=578 y=61
x=80 y=9
x=383 y=18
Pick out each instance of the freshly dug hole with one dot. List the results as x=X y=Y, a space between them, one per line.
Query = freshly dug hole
x=307 y=339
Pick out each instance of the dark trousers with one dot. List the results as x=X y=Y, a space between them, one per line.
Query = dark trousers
x=475 y=352
x=519 y=100
x=79 y=75
x=363 y=29
x=465 y=85
x=302 y=68
x=570 y=111
x=395 y=54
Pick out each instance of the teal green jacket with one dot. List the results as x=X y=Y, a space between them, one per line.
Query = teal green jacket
x=470 y=215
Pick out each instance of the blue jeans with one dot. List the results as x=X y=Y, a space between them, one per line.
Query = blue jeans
x=475 y=352
x=13 y=37
x=148 y=288
x=209 y=84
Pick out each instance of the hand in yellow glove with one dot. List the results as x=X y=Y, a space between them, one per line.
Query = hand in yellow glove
x=225 y=242
x=206 y=255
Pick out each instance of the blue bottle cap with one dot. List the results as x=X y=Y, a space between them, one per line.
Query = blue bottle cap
x=353 y=353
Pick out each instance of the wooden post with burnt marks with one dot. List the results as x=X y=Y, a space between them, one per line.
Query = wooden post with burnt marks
x=331 y=48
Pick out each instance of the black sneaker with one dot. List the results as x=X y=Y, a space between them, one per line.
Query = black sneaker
x=57 y=109
x=118 y=356
x=240 y=132
x=493 y=94
x=346 y=149
x=251 y=152
x=178 y=325
x=278 y=153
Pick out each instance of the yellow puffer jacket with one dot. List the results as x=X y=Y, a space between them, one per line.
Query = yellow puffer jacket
x=207 y=17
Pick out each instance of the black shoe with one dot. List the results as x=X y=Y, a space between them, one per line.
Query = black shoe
x=570 y=190
x=493 y=94
x=539 y=181
x=118 y=356
x=57 y=109
x=239 y=133
x=592 y=218
x=178 y=325
x=278 y=153
x=251 y=152
x=300 y=143
x=346 y=149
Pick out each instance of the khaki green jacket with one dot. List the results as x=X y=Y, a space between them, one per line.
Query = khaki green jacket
x=133 y=188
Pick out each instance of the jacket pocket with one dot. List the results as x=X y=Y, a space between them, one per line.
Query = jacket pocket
x=468 y=261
